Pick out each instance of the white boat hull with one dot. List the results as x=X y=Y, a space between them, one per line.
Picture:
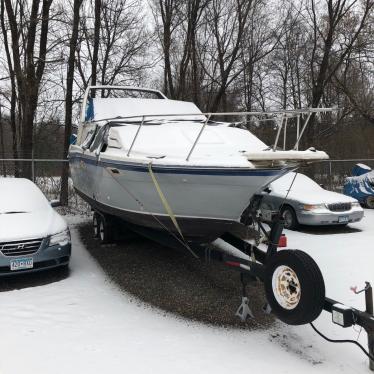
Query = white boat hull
x=205 y=201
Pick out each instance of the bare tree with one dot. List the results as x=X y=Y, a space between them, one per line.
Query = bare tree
x=96 y=44
x=69 y=99
x=261 y=38
x=334 y=35
x=170 y=17
x=29 y=59
x=122 y=46
x=226 y=23
x=286 y=62
x=13 y=95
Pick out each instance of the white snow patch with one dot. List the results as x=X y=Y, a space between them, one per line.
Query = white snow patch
x=152 y=108
x=84 y=324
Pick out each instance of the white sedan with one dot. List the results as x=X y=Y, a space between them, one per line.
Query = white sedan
x=33 y=236
x=303 y=202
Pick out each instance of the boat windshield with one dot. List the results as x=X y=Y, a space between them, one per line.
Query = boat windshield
x=135 y=110
x=89 y=138
x=100 y=138
x=125 y=93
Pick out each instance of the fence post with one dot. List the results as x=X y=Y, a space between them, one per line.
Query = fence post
x=330 y=174
x=32 y=166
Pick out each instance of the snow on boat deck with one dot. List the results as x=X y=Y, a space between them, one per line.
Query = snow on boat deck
x=84 y=324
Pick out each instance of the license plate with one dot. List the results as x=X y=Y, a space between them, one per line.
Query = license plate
x=343 y=219
x=21 y=263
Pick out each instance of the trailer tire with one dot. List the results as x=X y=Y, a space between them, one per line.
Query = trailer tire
x=294 y=287
x=96 y=225
x=105 y=230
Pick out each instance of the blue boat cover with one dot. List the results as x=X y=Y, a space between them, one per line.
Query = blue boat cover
x=360 y=169
x=361 y=184
x=90 y=110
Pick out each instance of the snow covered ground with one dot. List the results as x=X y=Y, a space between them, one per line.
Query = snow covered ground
x=84 y=324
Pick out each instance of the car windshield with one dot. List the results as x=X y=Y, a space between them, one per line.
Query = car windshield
x=20 y=196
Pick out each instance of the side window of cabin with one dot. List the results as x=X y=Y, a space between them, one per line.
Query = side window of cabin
x=88 y=139
x=100 y=142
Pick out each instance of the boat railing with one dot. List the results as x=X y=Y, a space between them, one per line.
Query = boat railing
x=280 y=117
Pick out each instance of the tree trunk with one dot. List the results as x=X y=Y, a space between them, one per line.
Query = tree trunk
x=27 y=137
x=28 y=68
x=64 y=195
x=2 y=142
x=13 y=98
x=95 y=53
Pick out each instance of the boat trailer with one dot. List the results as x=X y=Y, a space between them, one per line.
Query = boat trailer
x=283 y=271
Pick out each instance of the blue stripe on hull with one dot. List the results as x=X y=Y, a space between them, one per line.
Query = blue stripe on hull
x=196 y=170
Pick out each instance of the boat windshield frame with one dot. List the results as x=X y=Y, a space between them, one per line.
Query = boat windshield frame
x=279 y=117
x=87 y=94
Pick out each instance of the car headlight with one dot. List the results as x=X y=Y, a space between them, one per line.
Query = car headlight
x=310 y=207
x=61 y=238
x=355 y=204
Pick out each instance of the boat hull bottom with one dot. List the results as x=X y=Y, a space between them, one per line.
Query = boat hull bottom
x=199 y=230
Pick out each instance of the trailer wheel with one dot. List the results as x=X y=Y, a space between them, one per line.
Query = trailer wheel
x=96 y=224
x=370 y=202
x=290 y=219
x=105 y=230
x=294 y=287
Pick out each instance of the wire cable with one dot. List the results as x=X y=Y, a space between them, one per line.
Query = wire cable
x=288 y=191
x=343 y=341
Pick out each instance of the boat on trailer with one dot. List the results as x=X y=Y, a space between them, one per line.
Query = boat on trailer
x=165 y=170
x=164 y=164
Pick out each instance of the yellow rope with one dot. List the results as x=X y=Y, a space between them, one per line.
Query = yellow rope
x=164 y=201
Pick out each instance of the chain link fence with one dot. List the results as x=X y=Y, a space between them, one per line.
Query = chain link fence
x=46 y=174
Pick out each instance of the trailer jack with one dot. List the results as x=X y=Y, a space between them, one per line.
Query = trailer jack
x=244 y=311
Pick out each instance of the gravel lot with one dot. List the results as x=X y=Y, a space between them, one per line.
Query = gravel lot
x=176 y=282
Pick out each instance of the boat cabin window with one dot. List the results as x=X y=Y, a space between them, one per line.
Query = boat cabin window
x=89 y=138
x=101 y=140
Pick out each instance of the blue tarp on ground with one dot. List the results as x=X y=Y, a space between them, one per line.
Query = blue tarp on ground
x=361 y=185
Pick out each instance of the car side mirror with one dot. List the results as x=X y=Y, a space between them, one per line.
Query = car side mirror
x=55 y=203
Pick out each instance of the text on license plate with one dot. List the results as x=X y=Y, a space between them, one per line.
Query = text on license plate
x=21 y=263
x=343 y=219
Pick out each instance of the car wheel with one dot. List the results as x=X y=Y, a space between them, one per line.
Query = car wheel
x=370 y=202
x=294 y=286
x=96 y=224
x=290 y=219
